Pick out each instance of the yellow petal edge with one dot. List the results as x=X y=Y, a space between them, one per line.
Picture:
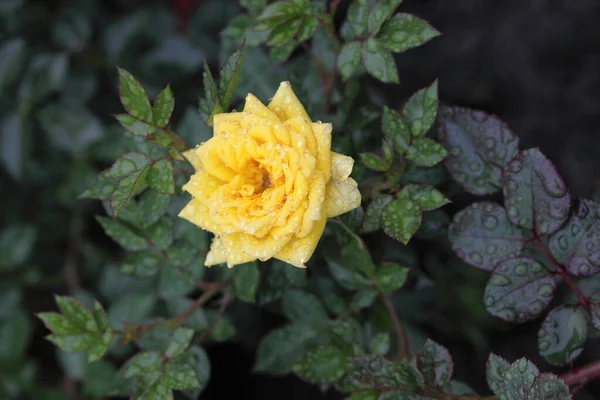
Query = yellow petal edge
x=266 y=182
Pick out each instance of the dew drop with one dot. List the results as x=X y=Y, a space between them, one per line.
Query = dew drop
x=476 y=258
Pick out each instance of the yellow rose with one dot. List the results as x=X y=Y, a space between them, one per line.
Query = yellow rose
x=266 y=182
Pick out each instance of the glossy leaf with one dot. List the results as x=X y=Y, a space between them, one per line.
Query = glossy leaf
x=378 y=61
x=230 y=76
x=179 y=342
x=346 y=276
x=482 y=235
x=519 y=290
x=358 y=15
x=425 y=152
x=135 y=126
x=308 y=28
x=45 y=74
x=376 y=371
x=303 y=307
x=160 y=176
x=549 y=387
x=281 y=348
x=133 y=97
x=520 y=377
x=353 y=251
x=401 y=218
x=427 y=197
x=577 y=243
x=595 y=309
x=278 y=277
x=211 y=103
x=562 y=335
x=15 y=132
x=390 y=276
x=395 y=130
x=372 y=219
x=325 y=364
x=496 y=367
x=17 y=242
x=405 y=31
x=435 y=363
x=382 y=10
x=143 y=363
x=349 y=59
x=77 y=313
x=245 y=282
x=152 y=205
x=180 y=377
x=380 y=343
x=420 y=110
x=479 y=146
x=12 y=56
x=283 y=33
x=535 y=195
x=374 y=162
x=363 y=299
x=123 y=234
x=163 y=107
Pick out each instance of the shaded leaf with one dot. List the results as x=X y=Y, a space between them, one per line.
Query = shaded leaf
x=376 y=371
x=230 y=76
x=425 y=152
x=405 y=31
x=283 y=33
x=135 y=126
x=577 y=243
x=390 y=276
x=12 y=56
x=378 y=61
x=482 y=235
x=427 y=197
x=519 y=290
x=180 y=377
x=420 y=110
x=496 y=367
x=245 y=281
x=435 y=363
x=278 y=277
x=163 y=107
x=15 y=131
x=122 y=234
x=535 y=195
x=380 y=343
x=143 y=363
x=349 y=59
x=160 y=176
x=347 y=277
x=519 y=378
x=479 y=146
x=354 y=253
x=77 y=313
x=325 y=364
x=179 y=342
x=562 y=335
x=303 y=307
x=46 y=73
x=363 y=299
x=281 y=348
x=549 y=387
x=372 y=219
x=374 y=162
x=152 y=205
x=401 y=218
x=380 y=13
x=16 y=244
x=133 y=97
x=395 y=130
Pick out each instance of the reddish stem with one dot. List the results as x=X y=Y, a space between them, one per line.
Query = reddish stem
x=400 y=333
x=582 y=374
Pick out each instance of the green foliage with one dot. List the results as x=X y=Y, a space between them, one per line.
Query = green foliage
x=92 y=208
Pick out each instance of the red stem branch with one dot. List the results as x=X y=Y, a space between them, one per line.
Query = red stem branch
x=582 y=374
x=398 y=328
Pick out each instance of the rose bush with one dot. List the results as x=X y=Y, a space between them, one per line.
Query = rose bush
x=267 y=181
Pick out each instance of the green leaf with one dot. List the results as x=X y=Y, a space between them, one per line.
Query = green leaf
x=71 y=29
x=142 y=364
x=133 y=97
x=161 y=233
x=245 y=281
x=363 y=299
x=98 y=380
x=427 y=197
x=16 y=244
x=58 y=323
x=354 y=253
x=77 y=313
x=420 y=110
x=349 y=59
x=576 y=244
x=123 y=234
x=400 y=219
x=15 y=332
x=479 y=147
x=163 y=107
x=307 y=29
x=230 y=76
x=380 y=13
x=70 y=126
x=282 y=53
x=179 y=342
x=161 y=176
x=390 y=277
x=132 y=308
x=12 y=56
x=99 y=347
x=496 y=367
x=152 y=205
x=380 y=343
x=595 y=309
x=253 y=5
x=72 y=364
x=379 y=62
x=283 y=33
x=15 y=132
x=482 y=235
x=278 y=277
x=374 y=162
x=562 y=335
x=376 y=371
x=435 y=363
x=347 y=277
x=549 y=387
x=325 y=364
x=425 y=152
x=395 y=130
x=519 y=290
x=358 y=14
x=141 y=264
x=405 y=31
x=365 y=395
x=211 y=104
x=535 y=195
x=277 y=13
x=180 y=377
x=222 y=330
x=372 y=219
x=201 y=364
x=135 y=126
x=72 y=343
x=519 y=378
x=45 y=74
x=281 y=348
x=302 y=307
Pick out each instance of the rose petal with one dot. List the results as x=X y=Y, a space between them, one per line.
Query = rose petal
x=263 y=248
x=210 y=156
x=193 y=157
x=341 y=196
x=322 y=134
x=341 y=166
x=302 y=127
x=285 y=103
x=199 y=215
x=226 y=122
x=316 y=197
x=216 y=254
x=202 y=184
x=298 y=251
x=233 y=251
x=255 y=106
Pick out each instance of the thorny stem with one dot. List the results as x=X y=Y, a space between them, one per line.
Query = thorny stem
x=401 y=338
x=582 y=374
x=562 y=270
